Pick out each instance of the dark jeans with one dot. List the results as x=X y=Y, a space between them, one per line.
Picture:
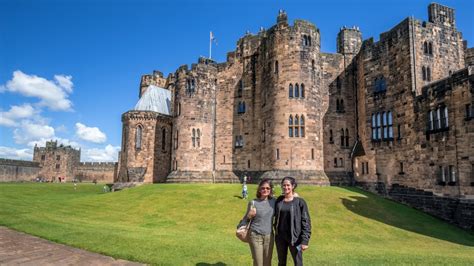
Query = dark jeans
x=282 y=250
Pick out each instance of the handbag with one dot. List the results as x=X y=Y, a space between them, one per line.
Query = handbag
x=243 y=232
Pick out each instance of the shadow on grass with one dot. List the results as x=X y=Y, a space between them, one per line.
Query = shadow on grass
x=240 y=197
x=398 y=215
x=210 y=264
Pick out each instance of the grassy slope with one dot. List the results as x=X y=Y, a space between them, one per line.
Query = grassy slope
x=191 y=224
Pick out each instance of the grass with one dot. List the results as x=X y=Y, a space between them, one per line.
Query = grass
x=171 y=224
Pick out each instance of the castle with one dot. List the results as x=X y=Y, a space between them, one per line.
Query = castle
x=392 y=115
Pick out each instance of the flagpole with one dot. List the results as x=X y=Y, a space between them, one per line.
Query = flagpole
x=210 y=45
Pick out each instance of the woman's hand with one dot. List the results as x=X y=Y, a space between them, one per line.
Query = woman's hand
x=304 y=247
x=252 y=213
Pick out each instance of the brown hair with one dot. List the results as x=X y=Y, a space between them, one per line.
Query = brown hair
x=265 y=181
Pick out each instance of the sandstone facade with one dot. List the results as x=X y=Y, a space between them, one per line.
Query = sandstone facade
x=280 y=106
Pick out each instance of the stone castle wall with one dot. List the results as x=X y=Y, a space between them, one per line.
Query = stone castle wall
x=56 y=161
x=17 y=170
x=96 y=171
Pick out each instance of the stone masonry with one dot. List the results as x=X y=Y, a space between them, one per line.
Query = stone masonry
x=398 y=111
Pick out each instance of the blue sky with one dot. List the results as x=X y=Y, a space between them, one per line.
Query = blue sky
x=69 y=69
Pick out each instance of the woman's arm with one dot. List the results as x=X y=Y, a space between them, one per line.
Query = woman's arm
x=245 y=220
x=305 y=223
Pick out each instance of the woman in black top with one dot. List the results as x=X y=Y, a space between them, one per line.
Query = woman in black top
x=292 y=224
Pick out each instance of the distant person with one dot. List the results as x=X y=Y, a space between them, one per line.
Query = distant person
x=244 y=179
x=292 y=224
x=260 y=213
x=244 y=190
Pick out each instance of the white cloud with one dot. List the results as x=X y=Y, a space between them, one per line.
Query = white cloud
x=92 y=134
x=53 y=94
x=65 y=82
x=16 y=112
x=108 y=154
x=31 y=131
x=17 y=154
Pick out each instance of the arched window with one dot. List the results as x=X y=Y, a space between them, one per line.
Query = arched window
x=347 y=137
x=374 y=127
x=430 y=48
x=290 y=126
x=297 y=90
x=309 y=40
x=342 y=137
x=302 y=126
x=297 y=130
x=312 y=65
x=194 y=137
x=305 y=40
x=341 y=105
x=379 y=128
x=302 y=91
x=390 y=125
x=331 y=138
x=198 y=137
x=163 y=139
x=276 y=67
x=337 y=105
x=425 y=48
x=138 y=138
x=384 y=125
x=240 y=88
x=428 y=74
x=423 y=72
x=290 y=91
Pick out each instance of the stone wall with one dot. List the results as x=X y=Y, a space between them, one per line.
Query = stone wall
x=17 y=171
x=469 y=56
x=56 y=161
x=102 y=172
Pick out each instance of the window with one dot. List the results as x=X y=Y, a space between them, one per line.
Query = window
x=239 y=141
x=290 y=91
x=163 y=139
x=278 y=154
x=194 y=137
x=428 y=73
x=297 y=122
x=469 y=111
x=276 y=67
x=401 y=169
x=190 y=86
x=382 y=126
x=240 y=88
x=313 y=67
x=438 y=119
x=198 y=137
x=57 y=166
x=248 y=163
x=302 y=91
x=441 y=175
x=335 y=163
x=176 y=140
x=342 y=137
x=138 y=138
x=58 y=157
x=379 y=129
x=399 y=132
x=365 y=168
x=425 y=48
x=452 y=175
x=290 y=126
x=312 y=154
x=241 y=108
x=297 y=91
x=430 y=48
x=341 y=162
x=331 y=138
x=264 y=131
x=380 y=85
x=423 y=72
x=43 y=157
x=302 y=126
x=340 y=105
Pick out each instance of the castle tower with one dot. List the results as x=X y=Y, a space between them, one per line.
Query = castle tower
x=57 y=161
x=349 y=41
x=294 y=111
x=146 y=138
x=194 y=122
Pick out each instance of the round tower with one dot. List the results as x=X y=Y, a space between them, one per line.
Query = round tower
x=295 y=110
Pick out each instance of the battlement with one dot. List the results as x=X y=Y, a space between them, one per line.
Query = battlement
x=97 y=164
x=53 y=145
x=441 y=15
x=18 y=163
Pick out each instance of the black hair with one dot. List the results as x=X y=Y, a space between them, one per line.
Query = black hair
x=292 y=181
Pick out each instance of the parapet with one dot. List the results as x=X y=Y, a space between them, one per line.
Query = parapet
x=19 y=163
x=441 y=15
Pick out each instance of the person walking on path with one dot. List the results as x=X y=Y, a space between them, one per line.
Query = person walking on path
x=292 y=224
x=261 y=212
x=244 y=191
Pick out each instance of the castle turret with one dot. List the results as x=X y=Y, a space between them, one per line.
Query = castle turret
x=441 y=15
x=349 y=41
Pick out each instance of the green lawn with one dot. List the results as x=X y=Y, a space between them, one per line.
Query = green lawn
x=193 y=224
